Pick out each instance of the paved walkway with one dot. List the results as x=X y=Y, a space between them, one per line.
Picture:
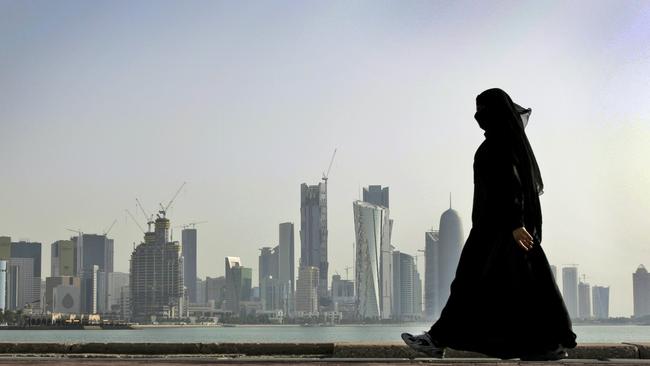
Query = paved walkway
x=205 y=361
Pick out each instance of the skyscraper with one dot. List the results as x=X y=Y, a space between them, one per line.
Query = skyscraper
x=3 y=285
x=188 y=243
x=307 y=289
x=451 y=244
x=238 y=284
x=406 y=304
x=268 y=277
x=64 y=258
x=313 y=231
x=442 y=253
x=22 y=253
x=600 y=300
x=432 y=303
x=93 y=250
x=373 y=267
x=584 y=300
x=156 y=280
x=286 y=266
x=570 y=289
x=641 y=291
x=376 y=195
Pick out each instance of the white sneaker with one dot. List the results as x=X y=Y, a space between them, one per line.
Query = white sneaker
x=423 y=343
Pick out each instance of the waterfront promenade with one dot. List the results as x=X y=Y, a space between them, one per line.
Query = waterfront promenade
x=383 y=353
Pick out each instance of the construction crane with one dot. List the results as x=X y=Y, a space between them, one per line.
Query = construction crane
x=347 y=269
x=109 y=228
x=164 y=209
x=135 y=221
x=190 y=225
x=148 y=218
x=326 y=174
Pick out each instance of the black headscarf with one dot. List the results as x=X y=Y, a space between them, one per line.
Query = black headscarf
x=504 y=121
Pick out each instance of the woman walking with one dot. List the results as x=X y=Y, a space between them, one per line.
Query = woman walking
x=504 y=301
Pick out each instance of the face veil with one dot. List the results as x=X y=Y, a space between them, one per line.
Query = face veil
x=504 y=122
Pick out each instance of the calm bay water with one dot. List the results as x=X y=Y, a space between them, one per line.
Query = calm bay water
x=343 y=333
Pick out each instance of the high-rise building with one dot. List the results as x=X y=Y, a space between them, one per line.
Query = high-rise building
x=373 y=267
x=406 y=304
x=64 y=258
x=215 y=290
x=451 y=244
x=3 y=285
x=600 y=300
x=29 y=250
x=641 y=291
x=570 y=289
x=268 y=278
x=188 y=242
x=20 y=284
x=584 y=300
x=156 y=276
x=307 y=289
x=376 y=195
x=286 y=267
x=313 y=231
x=51 y=283
x=93 y=250
x=115 y=282
x=432 y=303
x=238 y=284
x=442 y=252
x=5 y=247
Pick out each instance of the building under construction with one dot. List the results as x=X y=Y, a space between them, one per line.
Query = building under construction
x=156 y=282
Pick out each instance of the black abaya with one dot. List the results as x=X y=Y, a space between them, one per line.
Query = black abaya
x=504 y=301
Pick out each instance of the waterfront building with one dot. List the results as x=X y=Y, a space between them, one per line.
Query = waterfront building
x=188 y=242
x=268 y=274
x=63 y=258
x=343 y=299
x=450 y=246
x=376 y=195
x=432 y=303
x=584 y=300
x=215 y=290
x=641 y=291
x=3 y=285
x=406 y=302
x=200 y=291
x=115 y=282
x=313 y=231
x=20 y=256
x=93 y=250
x=66 y=299
x=307 y=290
x=238 y=284
x=20 y=284
x=570 y=289
x=286 y=267
x=156 y=277
x=600 y=301
x=373 y=261
x=442 y=250
x=51 y=283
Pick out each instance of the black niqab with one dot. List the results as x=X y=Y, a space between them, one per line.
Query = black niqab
x=504 y=120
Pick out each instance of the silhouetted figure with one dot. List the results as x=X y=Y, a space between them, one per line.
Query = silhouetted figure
x=504 y=300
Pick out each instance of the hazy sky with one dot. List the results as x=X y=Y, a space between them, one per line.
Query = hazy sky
x=102 y=102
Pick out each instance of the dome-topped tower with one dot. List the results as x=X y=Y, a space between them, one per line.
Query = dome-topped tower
x=451 y=244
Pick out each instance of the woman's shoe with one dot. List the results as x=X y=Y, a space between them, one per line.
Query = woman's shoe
x=423 y=343
x=557 y=354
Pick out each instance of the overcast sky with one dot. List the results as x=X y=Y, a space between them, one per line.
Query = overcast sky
x=102 y=102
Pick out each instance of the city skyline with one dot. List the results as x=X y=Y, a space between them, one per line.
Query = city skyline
x=102 y=104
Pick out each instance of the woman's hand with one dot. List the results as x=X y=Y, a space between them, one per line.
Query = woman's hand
x=523 y=238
